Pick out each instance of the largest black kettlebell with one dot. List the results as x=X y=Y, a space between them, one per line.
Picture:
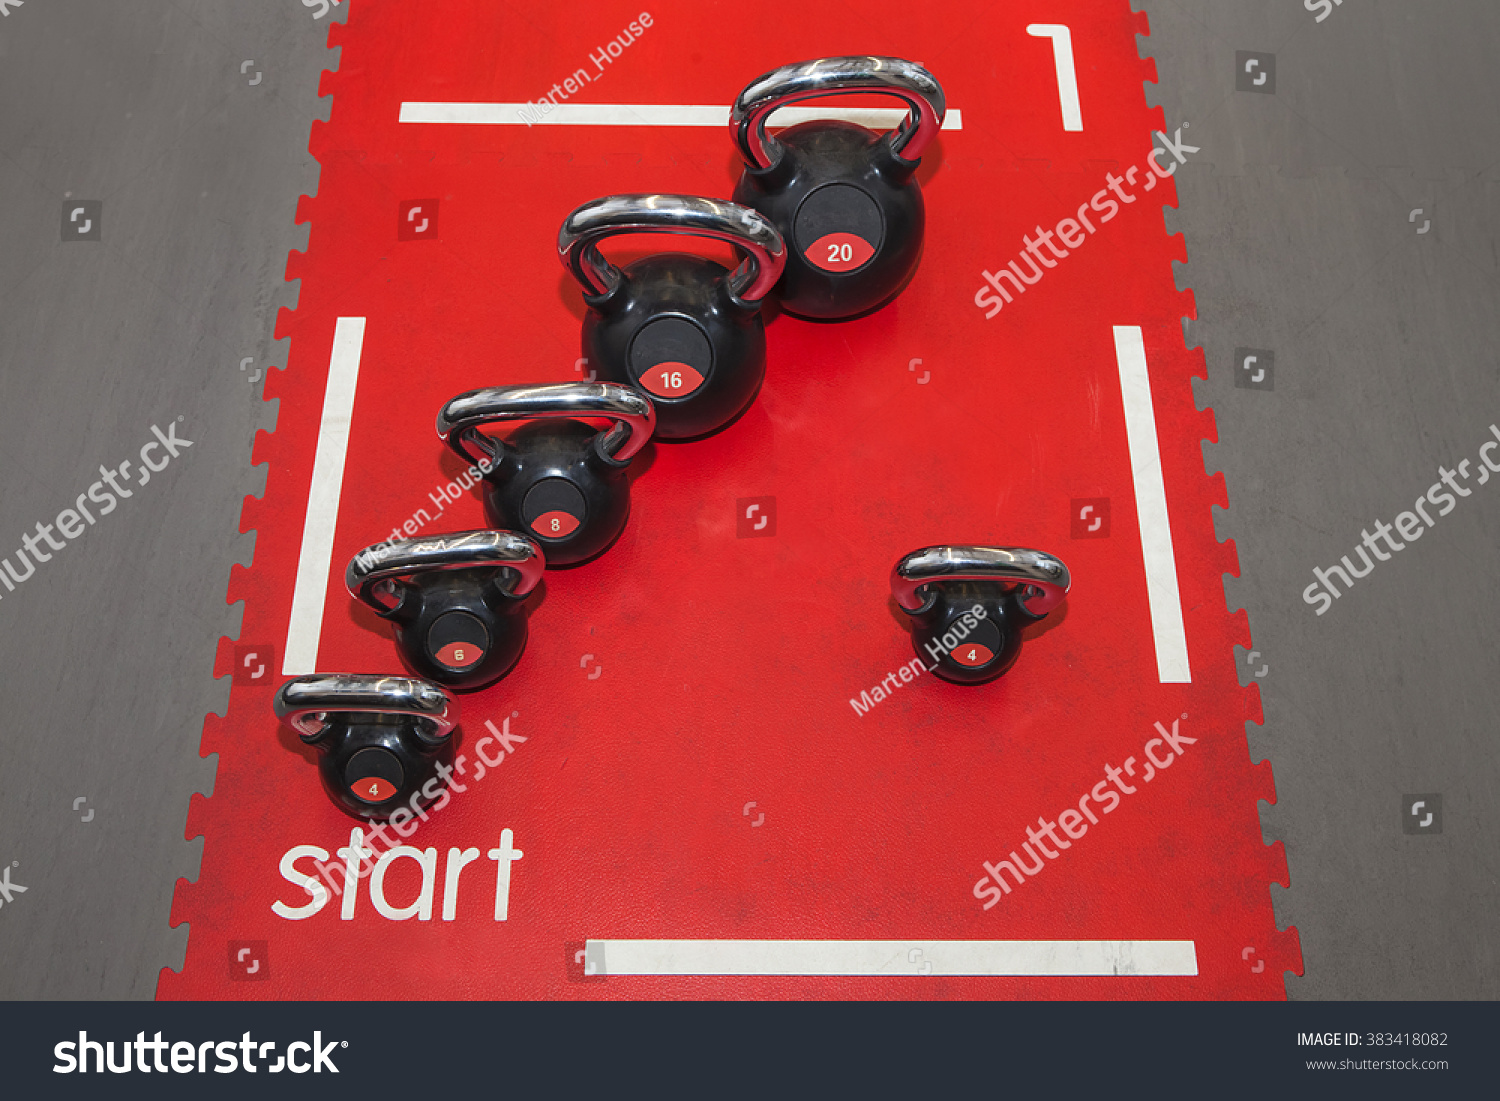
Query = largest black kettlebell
x=380 y=739
x=679 y=327
x=968 y=605
x=559 y=480
x=845 y=198
x=456 y=600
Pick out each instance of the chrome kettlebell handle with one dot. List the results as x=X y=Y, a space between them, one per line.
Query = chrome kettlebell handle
x=459 y=421
x=829 y=76
x=582 y=230
x=311 y=699
x=1044 y=578
x=460 y=550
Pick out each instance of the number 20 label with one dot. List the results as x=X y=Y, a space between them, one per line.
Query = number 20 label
x=839 y=252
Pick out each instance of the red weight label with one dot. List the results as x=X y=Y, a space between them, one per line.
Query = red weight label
x=555 y=524
x=972 y=654
x=372 y=789
x=839 y=252
x=461 y=655
x=671 y=380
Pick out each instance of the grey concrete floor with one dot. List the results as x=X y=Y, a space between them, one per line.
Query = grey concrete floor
x=107 y=651
x=1302 y=241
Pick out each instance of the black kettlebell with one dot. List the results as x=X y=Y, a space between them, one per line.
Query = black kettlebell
x=561 y=481
x=456 y=600
x=969 y=604
x=845 y=198
x=679 y=327
x=380 y=739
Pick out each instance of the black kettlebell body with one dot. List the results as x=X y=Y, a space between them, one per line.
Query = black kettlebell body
x=456 y=600
x=459 y=628
x=851 y=213
x=555 y=482
x=373 y=764
x=671 y=328
x=382 y=740
x=558 y=480
x=845 y=199
x=679 y=328
x=969 y=632
x=969 y=604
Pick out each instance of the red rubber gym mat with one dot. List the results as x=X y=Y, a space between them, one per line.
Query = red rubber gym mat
x=692 y=768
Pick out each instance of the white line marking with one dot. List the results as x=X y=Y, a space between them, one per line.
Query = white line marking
x=1067 y=76
x=648 y=114
x=305 y=627
x=890 y=957
x=1151 y=508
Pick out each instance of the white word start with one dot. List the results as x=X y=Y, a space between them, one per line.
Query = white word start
x=420 y=907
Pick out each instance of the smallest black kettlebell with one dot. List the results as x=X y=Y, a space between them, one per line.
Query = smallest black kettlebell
x=682 y=328
x=969 y=605
x=456 y=600
x=561 y=481
x=380 y=739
